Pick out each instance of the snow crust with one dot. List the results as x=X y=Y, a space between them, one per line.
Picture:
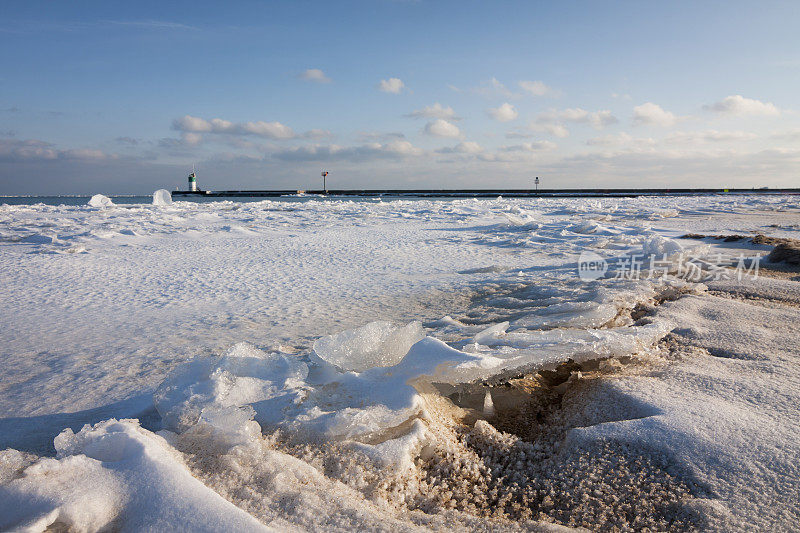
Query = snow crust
x=726 y=418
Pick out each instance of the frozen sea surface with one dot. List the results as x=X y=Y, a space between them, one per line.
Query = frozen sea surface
x=316 y=322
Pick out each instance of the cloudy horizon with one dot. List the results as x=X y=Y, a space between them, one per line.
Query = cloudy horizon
x=387 y=94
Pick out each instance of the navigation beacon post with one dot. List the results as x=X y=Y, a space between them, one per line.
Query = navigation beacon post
x=324 y=181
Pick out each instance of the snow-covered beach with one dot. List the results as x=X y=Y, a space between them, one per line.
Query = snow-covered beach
x=404 y=365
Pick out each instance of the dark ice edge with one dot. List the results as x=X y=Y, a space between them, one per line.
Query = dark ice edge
x=487 y=193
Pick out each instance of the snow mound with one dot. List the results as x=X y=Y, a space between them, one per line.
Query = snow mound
x=522 y=220
x=245 y=375
x=659 y=245
x=115 y=475
x=162 y=197
x=98 y=200
x=585 y=227
x=377 y=344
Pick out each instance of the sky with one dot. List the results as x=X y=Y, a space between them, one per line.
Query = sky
x=115 y=98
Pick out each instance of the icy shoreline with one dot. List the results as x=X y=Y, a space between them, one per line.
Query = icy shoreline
x=385 y=416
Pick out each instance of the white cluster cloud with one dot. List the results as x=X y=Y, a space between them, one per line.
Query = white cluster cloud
x=692 y=137
x=518 y=135
x=790 y=135
x=510 y=153
x=556 y=130
x=601 y=119
x=392 y=85
x=739 y=105
x=466 y=147
x=391 y=150
x=687 y=167
x=504 y=113
x=493 y=88
x=440 y=121
x=374 y=136
x=442 y=128
x=33 y=149
x=191 y=139
x=553 y=121
x=436 y=110
x=533 y=146
x=269 y=130
x=518 y=153
x=84 y=154
x=621 y=139
x=152 y=24
x=653 y=114
x=315 y=75
x=317 y=134
x=537 y=88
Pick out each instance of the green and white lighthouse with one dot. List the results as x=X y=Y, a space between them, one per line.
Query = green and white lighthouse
x=192 y=182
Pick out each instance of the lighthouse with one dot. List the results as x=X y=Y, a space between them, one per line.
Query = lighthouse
x=192 y=182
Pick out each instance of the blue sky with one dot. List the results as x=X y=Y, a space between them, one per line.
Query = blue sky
x=124 y=98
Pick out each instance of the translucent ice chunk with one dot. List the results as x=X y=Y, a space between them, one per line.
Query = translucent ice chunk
x=488 y=404
x=162 y=197
x=377 y=344
x=245 y=375
x=228 y=426
x=658 y=245
x=98 y=200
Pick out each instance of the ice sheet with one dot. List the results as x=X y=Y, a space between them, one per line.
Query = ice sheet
x=322 y=292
